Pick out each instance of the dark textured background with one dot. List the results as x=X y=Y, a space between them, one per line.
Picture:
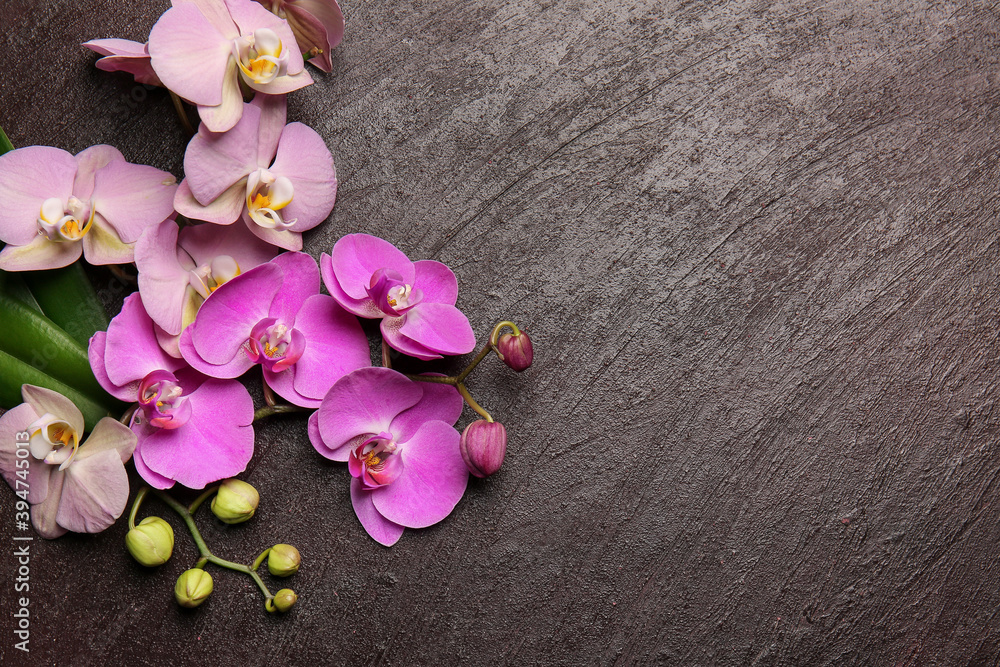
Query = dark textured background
x=756 y=247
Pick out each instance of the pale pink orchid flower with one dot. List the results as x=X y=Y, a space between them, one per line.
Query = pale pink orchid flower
x=124 y=55
x=203 y=50
x=58 y=206
x=318 y=26
x=280 y=179
x=71 y=486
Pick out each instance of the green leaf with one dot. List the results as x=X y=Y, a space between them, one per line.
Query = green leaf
x=5 y=144
x=69 y=300
x=13 y=286
x=37 y=341
x=14 y=373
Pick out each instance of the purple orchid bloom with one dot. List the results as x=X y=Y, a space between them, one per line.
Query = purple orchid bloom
x=59 y=206
x=179 y=270
x=274 y=315
x=279 y=178
x=318 y=26
x=416 y=300
x=399 y=441
x=71 y=487
x=203 y=49
x=191 y=429
x=124 y=55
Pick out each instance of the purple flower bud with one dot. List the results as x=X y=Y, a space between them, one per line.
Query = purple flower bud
x=483 y=447
x=516 y=350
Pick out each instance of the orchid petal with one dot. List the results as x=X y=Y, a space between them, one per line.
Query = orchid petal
x=215 y=161
x=282 y=238
x=131 y=197
x=163 y=282
x=250 y=17
x=109 y=435
x=205 y=242
x=361 y=307
x=380 y=529
x=101 y=245
x=225 y=320
x=39 y=254
x=43 y=515
x=283 y=85
x=235 y=367
x=336 y=346
x=215 y=443
x=397 y=341
x=433 y=480
x=131 y=349
x=190 y=55
x=283 y=384
x=356 y=257
x=439 y=327
x=90 y=161
x=273 y=114
x=12 y=422
x=44 y=400
x=300 y=281
x=305 y=160
x=29 y=176
x=155 y=480
x=363 y=402
x=123 y=55
x=94 y=493
x=436 y=281
x=224 y=115
x=95 y=353
x=224 y=210
x=440 y=402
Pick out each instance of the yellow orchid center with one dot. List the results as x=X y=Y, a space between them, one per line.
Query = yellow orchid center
x=69 y=222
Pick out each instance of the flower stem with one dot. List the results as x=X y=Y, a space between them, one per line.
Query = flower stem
x=260 y=559
x=386 y=361
x=206 y=556
x=193 y=507
x=181 y=113
x=139 y=497
x=127 y=417
x=278 y=409
x=472 y=402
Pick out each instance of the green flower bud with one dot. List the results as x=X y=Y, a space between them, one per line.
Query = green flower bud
x=151 y=542
x=284 y=599
x=235 y=502
x=193 y=587
x=283 y=560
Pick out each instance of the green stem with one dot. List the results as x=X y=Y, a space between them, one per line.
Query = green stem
x=386 y=361
x=139 y=497
x=436 y=379
x=260 y=559
x=475 y=362
x=279 y=409
x=193 y=507
x=181 y=113
x=268 y=393
x=472 y=402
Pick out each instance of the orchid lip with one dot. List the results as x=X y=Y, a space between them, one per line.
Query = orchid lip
x=162 y=401
x=210 y=276
x=391 y=294
x=267 y=194
x=53 y=440
x=65 y=223
x=261 y=56
x=373 y=462
x=274 y=345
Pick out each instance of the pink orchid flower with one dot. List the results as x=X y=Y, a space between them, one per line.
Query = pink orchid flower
x=415 y=300
x=274 y=316
x=191 y=429
x=203 y=49
x=318 y=26
x=58 y=206
x=279 y=178
x=179 y=270
x=124 y=55
x=399 y=441
x=71 y=487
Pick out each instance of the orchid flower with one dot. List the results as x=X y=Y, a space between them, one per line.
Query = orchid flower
x=124 y=55
x=58 y=206
x=416 y=300
x=71 y=486
x=191 y=429
x=203 y=50
x=318 y=26
x=178 y=271
x=399 y=441
x=279 y=178
x=274 y=316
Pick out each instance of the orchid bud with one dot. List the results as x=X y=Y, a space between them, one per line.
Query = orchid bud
x=483 y=447
x=193 y=587
x=284 y=599
x=151 y=542
x=283 y=560
x=235 y=502
x=516 y=350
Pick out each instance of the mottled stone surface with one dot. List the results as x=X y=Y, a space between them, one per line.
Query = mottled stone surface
x=756 y=247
